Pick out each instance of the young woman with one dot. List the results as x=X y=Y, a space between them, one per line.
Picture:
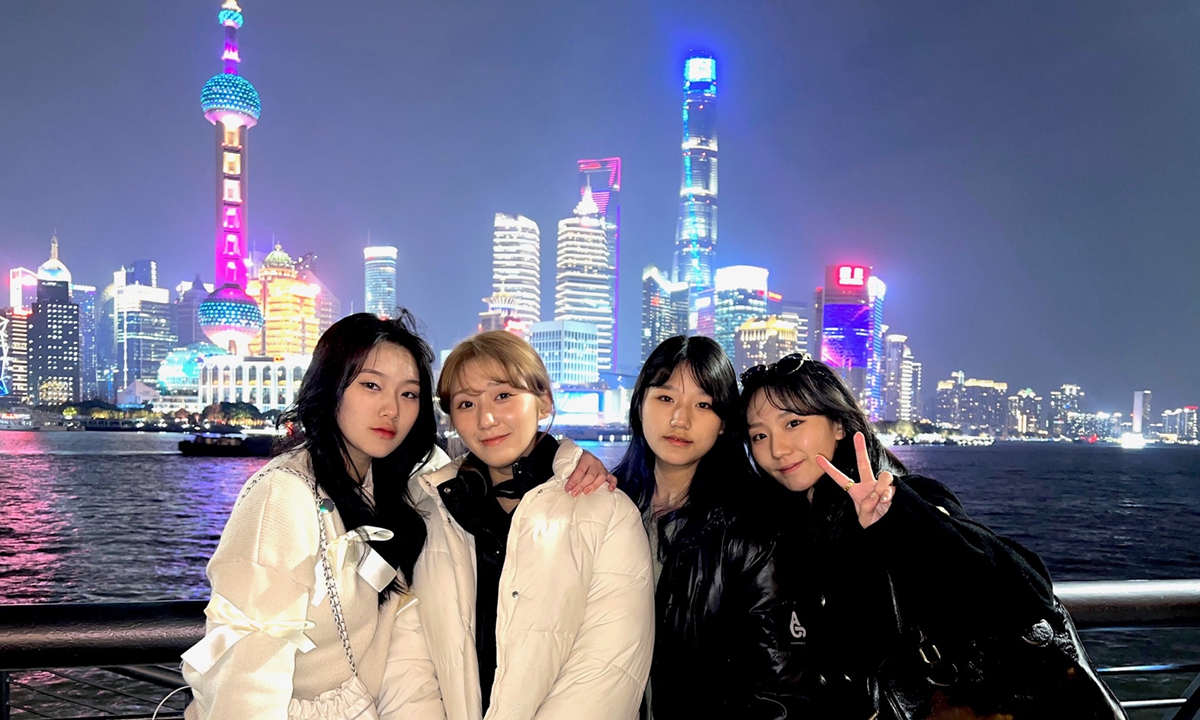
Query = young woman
x=722 y=646
x=330 y=512
x=535 y=603
x=876 y=548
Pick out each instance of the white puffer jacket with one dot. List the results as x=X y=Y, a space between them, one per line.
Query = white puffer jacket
x=575 y=621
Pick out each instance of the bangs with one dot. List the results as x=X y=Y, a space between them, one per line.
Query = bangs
x=791 y=397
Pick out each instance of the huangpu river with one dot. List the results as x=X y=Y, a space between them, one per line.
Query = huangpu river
x=93 y=516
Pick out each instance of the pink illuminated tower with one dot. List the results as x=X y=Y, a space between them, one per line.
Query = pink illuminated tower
x=230 y=317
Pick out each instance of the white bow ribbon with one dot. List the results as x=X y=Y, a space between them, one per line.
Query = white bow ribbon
x=352 y=547
x=231 y=625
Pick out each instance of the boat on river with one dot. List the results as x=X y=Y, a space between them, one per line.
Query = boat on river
x=227 y=445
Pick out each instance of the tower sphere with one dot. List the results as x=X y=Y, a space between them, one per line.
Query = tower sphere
x=230 y=100
x=230 y=318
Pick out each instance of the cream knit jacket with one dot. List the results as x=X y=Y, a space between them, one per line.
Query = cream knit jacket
x=274 y=643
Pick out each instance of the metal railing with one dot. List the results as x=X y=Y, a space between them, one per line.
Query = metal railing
x=141 y=642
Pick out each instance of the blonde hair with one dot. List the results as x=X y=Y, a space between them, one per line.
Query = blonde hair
x=520 y=365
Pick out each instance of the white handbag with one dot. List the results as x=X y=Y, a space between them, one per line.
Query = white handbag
x=350 y=701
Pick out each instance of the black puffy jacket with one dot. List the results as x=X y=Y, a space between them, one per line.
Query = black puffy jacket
x=724 y=645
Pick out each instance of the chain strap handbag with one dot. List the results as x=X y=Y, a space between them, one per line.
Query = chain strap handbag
x=351 y=700
x=1041 y=674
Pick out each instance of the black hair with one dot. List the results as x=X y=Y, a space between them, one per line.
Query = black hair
x=815 y=389
x=312 y=423
x=722 y=467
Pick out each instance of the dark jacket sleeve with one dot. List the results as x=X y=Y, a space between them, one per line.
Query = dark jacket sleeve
x=952 y=571
x=770 y=660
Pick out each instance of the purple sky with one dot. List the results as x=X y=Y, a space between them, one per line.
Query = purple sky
x=1024 y=175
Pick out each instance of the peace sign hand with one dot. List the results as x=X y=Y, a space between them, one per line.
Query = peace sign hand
x=872 y=496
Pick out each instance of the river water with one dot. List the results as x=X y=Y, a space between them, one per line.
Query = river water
x=90 y=516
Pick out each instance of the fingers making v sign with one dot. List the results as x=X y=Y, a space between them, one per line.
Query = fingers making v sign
x=872 y=495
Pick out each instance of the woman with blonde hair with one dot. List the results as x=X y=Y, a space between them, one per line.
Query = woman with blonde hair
x=535 y=602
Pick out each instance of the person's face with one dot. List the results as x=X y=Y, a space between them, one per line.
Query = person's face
x=679 y=422
x=496 y=420
x=380 y=405
x=786 y=445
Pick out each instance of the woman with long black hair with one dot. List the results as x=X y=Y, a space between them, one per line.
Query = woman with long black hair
x=722 y=647
x=908 y=607
x=314 y=561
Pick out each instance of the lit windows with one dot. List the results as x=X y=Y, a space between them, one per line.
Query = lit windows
x=232 y=163
x=231 y=137
x=233 y=191
x=233 y=220
x=232 y=247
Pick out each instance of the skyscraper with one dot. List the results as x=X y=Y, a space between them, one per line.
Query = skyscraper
x=16 y=353
x=762 y=341
x=185 y=312
x=1142 y=417
x=846 y=324
x=583 y=283
x=740 y=294
x=329 y=307
x=133 y=333
x=380 y=264
x=603 y=176
x=85 y=297
x=229 y=316
x=872 y=396
x=22 y=289
x=696 y=231
x=901 y=380
x=54 y=336
x=289 y=305
x=664 y=309
x=516 y=264
x=568 y=348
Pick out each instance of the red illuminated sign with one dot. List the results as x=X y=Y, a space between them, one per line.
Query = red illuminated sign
x=852 y=275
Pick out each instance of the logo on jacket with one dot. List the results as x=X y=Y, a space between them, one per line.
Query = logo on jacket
x=796 y=628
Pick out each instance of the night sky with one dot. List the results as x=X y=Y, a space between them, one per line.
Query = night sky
x=1025 y=176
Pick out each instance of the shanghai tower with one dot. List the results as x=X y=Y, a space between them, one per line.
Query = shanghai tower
x=696 y=232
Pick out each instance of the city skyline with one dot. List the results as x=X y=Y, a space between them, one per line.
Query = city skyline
x=941 y=303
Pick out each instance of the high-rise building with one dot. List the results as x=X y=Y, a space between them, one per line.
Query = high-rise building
x=380 y=264
x=696 y=231
x=142 y=272
x=664 y=309
x=517 y=264
x=739 y=295
x=54 y=336
x=22 y=289
x=1142 y=417
x=603 y=176
x=329 y=307
x=901 y=380
x=230 y=318
x=872 y=396
x=1025 y=413
x=975 y=406
x=847 y=324
x=136 y=320
x=16 y=353
x=761 y=341
x=569 y=349
x=794 y=312
x=289 y=305
x=502 y=315
x=185 y=312
x=583 y=283
x=1065 y=400
x=85 y=297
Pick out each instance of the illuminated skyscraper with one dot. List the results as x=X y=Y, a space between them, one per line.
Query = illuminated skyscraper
x=54 y=336
x=380 y=262
x=289 y=305
x=329 y=307
x=872 y=396
x=133 y=332
x=16 y=353
x=85 y=297
x=696 y=232
x=664 y=309
x=22 y=289
x=1142 y=417
x=739 y=295
x=603 y=176
x=583 y=284
x=901 y=380
x=229 y=316
x=846 y=324
x=516 y=264
x=761 y=341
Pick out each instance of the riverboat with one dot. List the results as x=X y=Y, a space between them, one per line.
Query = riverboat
x=224 y=445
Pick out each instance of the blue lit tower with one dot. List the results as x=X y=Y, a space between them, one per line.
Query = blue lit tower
x=230 y=317
x=696 y=233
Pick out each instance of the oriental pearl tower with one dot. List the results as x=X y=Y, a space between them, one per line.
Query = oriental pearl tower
x=229 y=317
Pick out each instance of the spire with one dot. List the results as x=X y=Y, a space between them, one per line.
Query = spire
x=54 y=247
x=587 y=206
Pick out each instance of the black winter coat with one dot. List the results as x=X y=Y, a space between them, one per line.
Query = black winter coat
x=949 y=572
x=722 y=646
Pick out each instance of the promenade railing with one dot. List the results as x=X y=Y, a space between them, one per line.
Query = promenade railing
x=119 y=660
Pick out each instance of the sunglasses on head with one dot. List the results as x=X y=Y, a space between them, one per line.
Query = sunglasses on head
x=786 y=365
